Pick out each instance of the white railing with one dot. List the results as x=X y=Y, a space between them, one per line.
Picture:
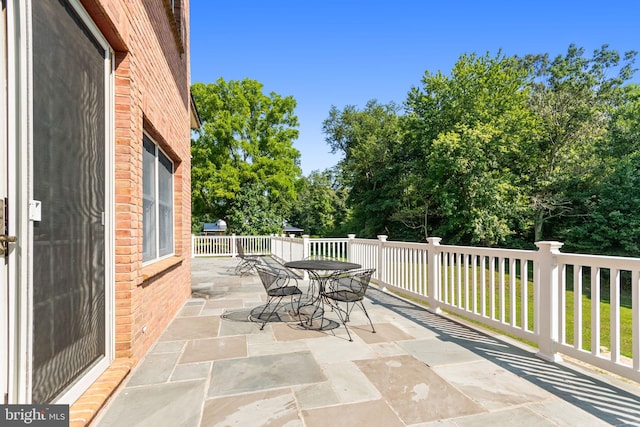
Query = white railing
x=287 y=248
x=227 y=245
x=524 y=293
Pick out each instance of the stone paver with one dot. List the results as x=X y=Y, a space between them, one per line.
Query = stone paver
x=372 y=413
x=268 y=409
x=160 y=405
x=156 y=369
x=213 y=366
x=490 y=385
x=214 y=349
x=263 y=372
x=415 y=392
x=192 y=328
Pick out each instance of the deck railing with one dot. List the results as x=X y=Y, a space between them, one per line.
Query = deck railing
x=537 y=295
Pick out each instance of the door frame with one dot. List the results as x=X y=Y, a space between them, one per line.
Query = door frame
x=4 y=279
x=19 y=142
x=16 y=135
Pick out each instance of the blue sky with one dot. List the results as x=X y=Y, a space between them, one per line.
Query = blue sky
x=346 y=52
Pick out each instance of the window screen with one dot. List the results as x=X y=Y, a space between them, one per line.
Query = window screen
x=69 y=179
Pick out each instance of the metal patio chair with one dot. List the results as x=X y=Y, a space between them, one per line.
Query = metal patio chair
x=348 y=288
x=278 y=283
x=247 y=262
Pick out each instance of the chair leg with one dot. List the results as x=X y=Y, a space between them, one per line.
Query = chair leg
x=343 y=316
x=367 y=314
x=264 y=322
x=344 y=321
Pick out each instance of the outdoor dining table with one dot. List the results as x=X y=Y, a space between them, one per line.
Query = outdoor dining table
x=320 y=271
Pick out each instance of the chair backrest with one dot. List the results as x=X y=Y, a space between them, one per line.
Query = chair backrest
x=240 y=249
x=273 y=278
x=355 y=281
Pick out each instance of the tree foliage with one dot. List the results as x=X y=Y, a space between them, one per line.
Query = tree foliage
x=367 y=139
x=573 y=97
x=469 y=132
x=321 y=207
x=246 y=141
x=501 y=151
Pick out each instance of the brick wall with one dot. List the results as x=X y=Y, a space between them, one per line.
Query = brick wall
x=151 y=95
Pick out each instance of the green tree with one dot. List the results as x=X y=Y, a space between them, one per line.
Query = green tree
x=253 y=213
x=573 y=98
x=625 y=125
x=612 y=225
x=466 y=135
x=246 y=139
x=611 y=221
x=367 y=139
x=321 y=207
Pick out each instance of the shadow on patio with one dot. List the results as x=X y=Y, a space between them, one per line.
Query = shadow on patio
x=214 y=367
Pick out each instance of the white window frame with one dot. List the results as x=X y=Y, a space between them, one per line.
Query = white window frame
x=156 y=199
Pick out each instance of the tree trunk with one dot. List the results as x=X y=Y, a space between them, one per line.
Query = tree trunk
x=539 y=221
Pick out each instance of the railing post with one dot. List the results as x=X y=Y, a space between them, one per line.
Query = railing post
x=350 y=246
x=547 y=305
x=193 y=246
x=306 y=251
x=272 y=250
x=305 y=246
x=380 y=272
x=433 y=274
x=234 y=246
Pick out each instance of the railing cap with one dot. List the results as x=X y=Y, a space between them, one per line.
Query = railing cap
x=549 y=246
x=434 y=240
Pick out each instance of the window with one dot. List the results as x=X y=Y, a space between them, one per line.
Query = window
x=157 y=188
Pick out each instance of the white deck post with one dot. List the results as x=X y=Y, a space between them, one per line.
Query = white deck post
x=350 y=255
x=433 y=275
x=547 y=307
x=234 y=246
x=380 y=271
x=306 y=251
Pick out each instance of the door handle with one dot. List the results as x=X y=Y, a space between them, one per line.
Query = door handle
x=4 y=240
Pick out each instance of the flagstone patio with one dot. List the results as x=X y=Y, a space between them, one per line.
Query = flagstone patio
x=213 y=366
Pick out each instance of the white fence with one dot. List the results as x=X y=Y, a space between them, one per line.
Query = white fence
x=540 y=296
x=227 y=245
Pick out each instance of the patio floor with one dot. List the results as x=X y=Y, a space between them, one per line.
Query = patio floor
x=214 y=367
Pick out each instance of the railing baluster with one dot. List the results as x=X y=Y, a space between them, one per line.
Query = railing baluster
x=524 y=294
x=595 y=311
x=635 y=318
x=562 y=304
x=513 y=289
x=614 y=307
x=577 y=307
x=492 y=287
x=501 y=295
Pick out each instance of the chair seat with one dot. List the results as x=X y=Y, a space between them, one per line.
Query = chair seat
x=284 y=291
x=343 y=296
